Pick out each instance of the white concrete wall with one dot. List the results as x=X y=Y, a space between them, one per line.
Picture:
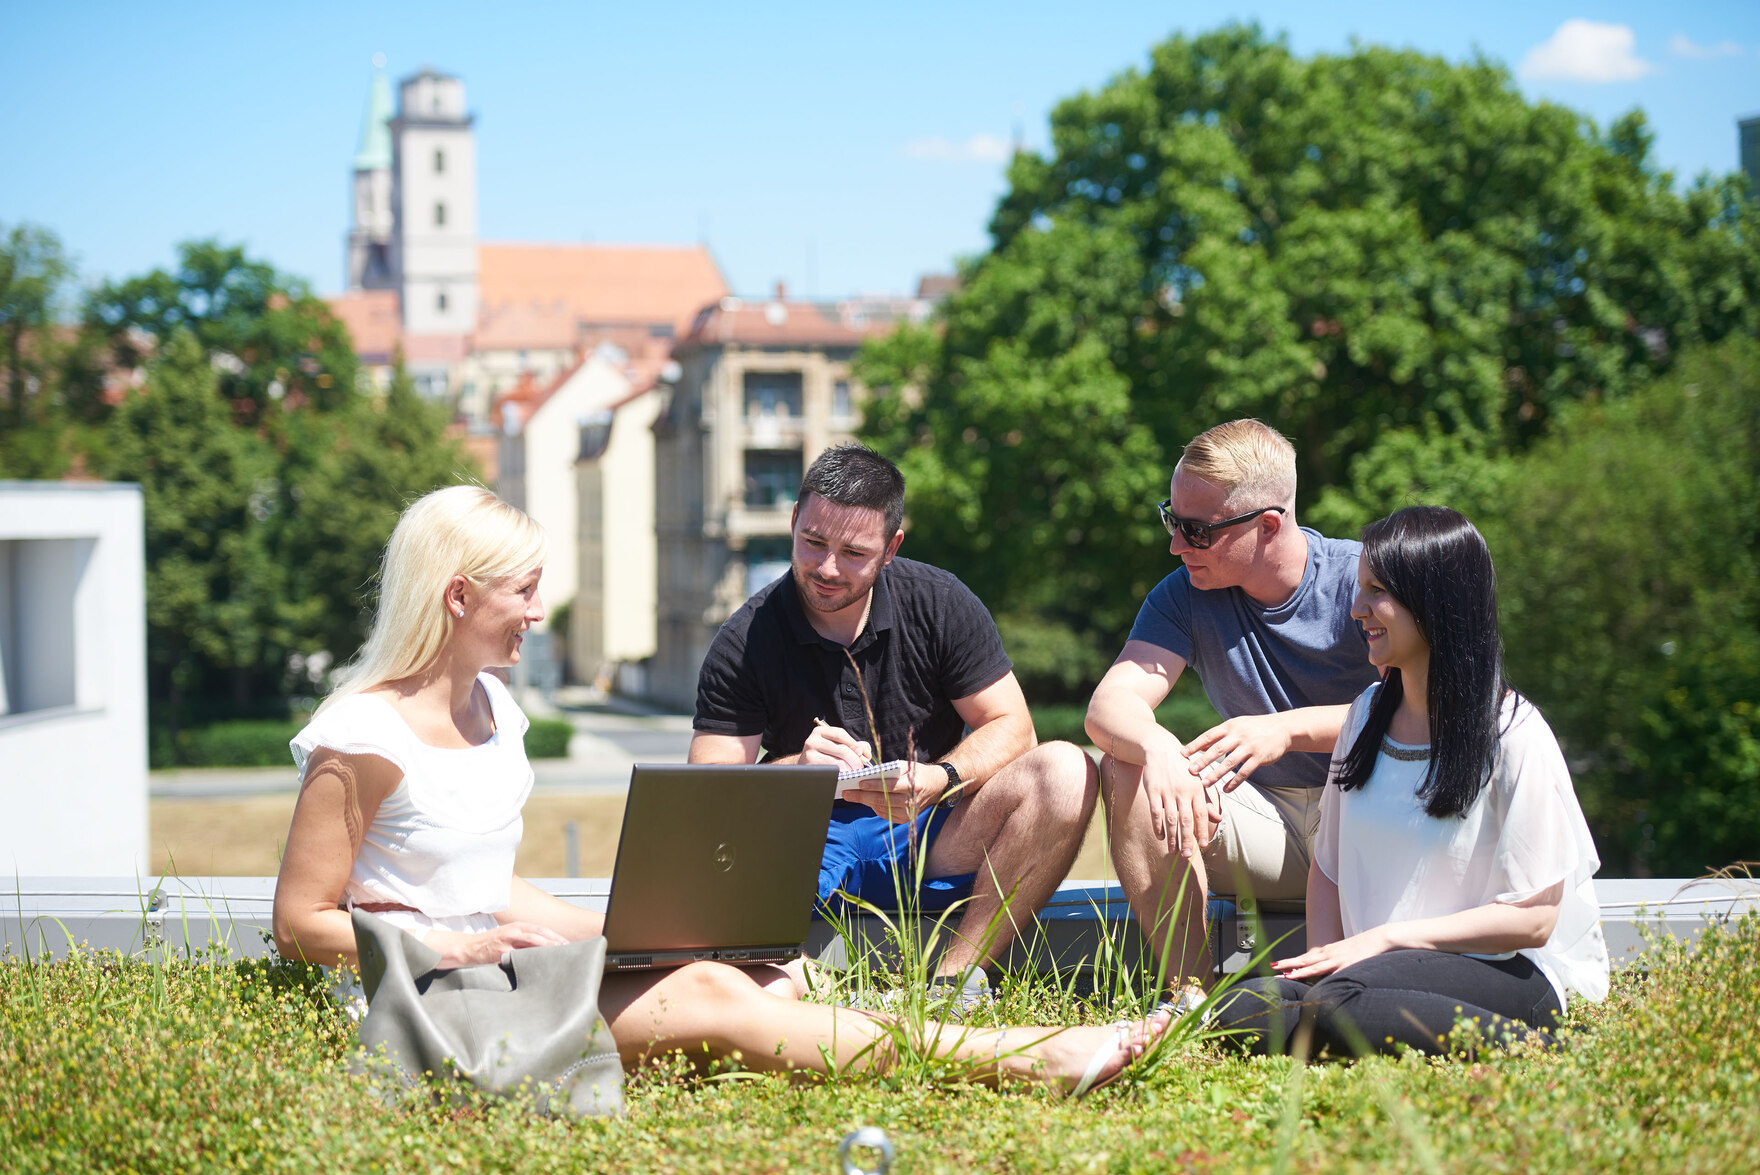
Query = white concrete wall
x=73 y=718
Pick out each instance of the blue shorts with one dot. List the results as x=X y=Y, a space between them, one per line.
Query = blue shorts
x=863 y=852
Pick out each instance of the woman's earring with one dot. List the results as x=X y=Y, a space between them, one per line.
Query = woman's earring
x=458 y=612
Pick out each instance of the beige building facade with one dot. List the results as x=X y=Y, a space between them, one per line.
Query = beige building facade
x=764 y=387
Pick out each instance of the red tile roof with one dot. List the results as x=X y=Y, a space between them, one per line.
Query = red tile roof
x=774 y=323
x=374 y=319
x=544 y=296
x=555 y=297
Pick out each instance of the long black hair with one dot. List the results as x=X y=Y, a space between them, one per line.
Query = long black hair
x=1436 y=565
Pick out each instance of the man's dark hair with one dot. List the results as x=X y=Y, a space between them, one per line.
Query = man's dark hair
x=855 y=475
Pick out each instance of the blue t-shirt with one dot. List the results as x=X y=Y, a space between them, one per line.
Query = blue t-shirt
x=1251 y=659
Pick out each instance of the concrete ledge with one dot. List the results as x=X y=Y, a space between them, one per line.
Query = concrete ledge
x=42 y=917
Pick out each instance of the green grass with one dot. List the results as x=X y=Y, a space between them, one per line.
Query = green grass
x=114 y=1064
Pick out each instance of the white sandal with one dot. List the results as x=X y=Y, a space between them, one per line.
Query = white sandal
x=1120 y=1040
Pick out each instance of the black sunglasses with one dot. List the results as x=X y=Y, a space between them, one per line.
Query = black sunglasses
x=1199 y=535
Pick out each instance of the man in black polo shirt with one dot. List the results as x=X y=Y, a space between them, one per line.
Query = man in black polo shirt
x=781 y=681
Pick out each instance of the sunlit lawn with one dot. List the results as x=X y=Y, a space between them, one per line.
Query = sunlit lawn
x=113 y=1065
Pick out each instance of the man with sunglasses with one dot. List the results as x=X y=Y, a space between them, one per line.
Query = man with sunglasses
x=1260 y=610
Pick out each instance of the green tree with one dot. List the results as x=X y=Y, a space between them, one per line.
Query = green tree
x=34 y=276
x=348 y=475
x=274 y=344
x=1628 y=552
x=211 y=585
x=1386 y=255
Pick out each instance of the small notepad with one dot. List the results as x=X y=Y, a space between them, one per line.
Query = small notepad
x=852 y=778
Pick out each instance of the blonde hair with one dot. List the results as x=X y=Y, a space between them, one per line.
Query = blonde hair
x=460 y=530
x=1249 y=459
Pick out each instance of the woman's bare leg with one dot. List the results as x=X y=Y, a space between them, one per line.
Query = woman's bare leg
x=709 y=1010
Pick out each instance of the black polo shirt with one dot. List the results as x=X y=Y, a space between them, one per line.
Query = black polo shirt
x=928 y=640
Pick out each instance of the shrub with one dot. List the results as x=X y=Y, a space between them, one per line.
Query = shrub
x=243 y=743
x=548 y=738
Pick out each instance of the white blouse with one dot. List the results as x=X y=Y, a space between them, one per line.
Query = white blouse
x=1525 y=832
x=443 y=841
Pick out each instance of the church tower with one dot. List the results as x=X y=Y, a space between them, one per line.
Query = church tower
x=370 y=231
x=434 y=202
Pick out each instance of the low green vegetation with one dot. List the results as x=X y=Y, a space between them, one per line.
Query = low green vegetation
x=263 y=743
x=548 y=738
x=243 y=743
x=114 y=1064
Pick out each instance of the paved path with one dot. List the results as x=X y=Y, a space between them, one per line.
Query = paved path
x=606 y=744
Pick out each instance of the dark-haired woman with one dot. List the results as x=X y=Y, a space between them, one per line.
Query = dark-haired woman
x=1451 y=870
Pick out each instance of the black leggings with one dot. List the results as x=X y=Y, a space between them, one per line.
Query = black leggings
x=1401 y=997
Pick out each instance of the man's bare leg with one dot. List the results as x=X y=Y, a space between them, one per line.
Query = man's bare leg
x=1020 y=834
x=710 y=1010
x=1167 y=892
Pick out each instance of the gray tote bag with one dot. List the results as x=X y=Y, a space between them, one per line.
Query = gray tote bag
x=527 y=1028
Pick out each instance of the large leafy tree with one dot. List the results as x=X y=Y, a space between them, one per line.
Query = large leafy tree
x=211 y=583
x=273 y=343
x=1628 y=552
x=272 y=481
x=1386 y=255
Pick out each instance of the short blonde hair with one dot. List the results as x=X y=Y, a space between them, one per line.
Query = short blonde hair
x=460 y=530
x=1249 y=459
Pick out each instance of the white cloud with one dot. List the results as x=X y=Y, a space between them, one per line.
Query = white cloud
x=1682 y=45
x=1586 y=51
x=980 y=148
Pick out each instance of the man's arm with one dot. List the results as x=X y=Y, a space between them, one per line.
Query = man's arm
x=724 y=748
x=827 y=744
x=1231 y=751
x=1121 y=721
x=1121 y=714
x=1001 y=732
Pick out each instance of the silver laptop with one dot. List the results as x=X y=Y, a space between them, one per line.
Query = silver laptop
x=717 y=862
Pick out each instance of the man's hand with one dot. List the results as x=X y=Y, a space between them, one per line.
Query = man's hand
x=1182 y=811
x=1229 y=753
x=835 y=745
x=904 y=798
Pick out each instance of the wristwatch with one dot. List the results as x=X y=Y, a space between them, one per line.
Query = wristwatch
x=950 y=797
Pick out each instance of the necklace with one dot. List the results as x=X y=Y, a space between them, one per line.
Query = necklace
x=1404 y=754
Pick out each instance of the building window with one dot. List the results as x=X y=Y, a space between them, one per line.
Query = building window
x=440 y=301
x=773 y=477
x=39 y=584
x=842 y=407
x=439 y=161
x=773 y=393
x=767 y=560
x=440 y=215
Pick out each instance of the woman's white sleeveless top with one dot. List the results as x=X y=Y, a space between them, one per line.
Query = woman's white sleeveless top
x=443 y=841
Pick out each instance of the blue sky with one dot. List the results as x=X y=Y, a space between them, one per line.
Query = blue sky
x=838 y=148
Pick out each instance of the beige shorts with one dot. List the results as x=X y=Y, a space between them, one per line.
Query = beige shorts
x=1265 y=842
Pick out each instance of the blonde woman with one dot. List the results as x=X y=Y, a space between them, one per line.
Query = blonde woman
x=413 y=774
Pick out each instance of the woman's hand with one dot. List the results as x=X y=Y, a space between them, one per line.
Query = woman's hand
x=1228 y=753
x=467 y=950
x=1333 y=956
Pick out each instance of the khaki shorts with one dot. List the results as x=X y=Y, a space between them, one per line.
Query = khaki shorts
x=1265 y=842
